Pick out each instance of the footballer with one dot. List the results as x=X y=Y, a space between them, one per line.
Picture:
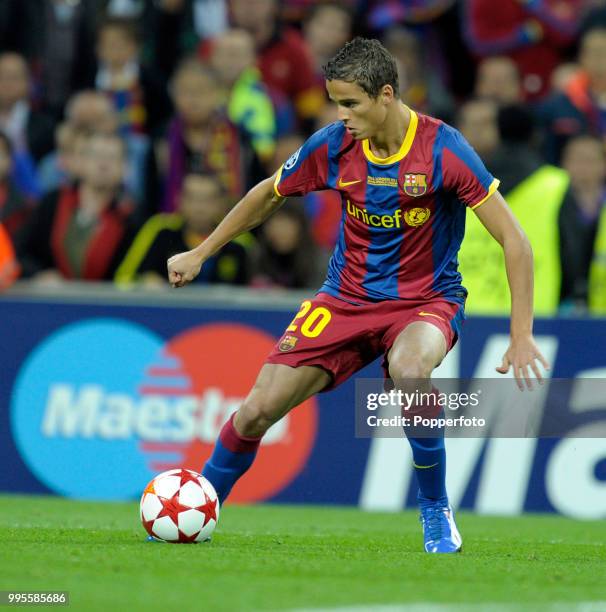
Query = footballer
x=392 y=286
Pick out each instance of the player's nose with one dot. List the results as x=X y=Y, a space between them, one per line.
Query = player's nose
x=343 y=115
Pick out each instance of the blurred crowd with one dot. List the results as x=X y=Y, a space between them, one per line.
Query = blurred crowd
x=128 y=128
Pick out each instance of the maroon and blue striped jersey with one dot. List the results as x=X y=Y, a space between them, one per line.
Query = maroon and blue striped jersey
x=403 y=216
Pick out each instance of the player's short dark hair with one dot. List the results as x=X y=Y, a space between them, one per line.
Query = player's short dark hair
x=366 y=62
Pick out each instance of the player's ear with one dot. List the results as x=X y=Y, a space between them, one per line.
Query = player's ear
x=387 y=94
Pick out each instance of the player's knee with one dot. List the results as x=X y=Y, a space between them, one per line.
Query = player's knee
x=257 y=414
x=410 y=369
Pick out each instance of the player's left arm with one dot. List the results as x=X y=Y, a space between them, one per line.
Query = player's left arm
x=523 y=352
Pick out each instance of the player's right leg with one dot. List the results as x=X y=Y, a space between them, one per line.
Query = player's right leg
x=277 y=390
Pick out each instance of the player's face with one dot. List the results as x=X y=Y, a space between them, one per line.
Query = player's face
x=361 y=114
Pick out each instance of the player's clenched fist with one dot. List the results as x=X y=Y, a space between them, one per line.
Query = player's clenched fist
x=183 y=268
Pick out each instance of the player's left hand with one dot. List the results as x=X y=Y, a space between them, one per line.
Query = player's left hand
x=522 y=354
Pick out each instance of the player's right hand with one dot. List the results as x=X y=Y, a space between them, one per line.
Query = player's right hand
x=183 y=268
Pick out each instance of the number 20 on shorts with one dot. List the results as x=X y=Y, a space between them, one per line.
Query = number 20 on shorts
x=313 y=323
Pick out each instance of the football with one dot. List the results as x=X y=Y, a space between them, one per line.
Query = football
x=179 y=506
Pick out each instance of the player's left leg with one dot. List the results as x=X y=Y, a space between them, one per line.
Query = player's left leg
x=415 y=353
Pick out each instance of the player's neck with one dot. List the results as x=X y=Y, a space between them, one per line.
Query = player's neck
x=388 y=140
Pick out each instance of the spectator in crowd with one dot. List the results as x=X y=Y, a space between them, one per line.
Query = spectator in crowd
x=9 y=268
x=83 y=231
x=419 y=85
x=92 y=111
x=326 y=29
x=295 y=12
x=286 y=255
x=201 y=139
x=534 y=192
x=384 y=13
x=248 y=103
x=202 y=205
x=582 y=108
x=240 y=113
x=535 y=35
x=477 y=121
x=593 y=15
x=57 y=169
x=56 y=37
x=284 y=59
x=15 y=208
x=30 y=131
x=206 y=18
x=582 y=223
x=125 y=9
x=498 y=78
x=437 y=23
x=138 y=94
x=516 y=157
x=176 y=27
x=562 y=77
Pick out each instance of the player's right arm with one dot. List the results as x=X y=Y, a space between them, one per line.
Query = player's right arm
x=258 y=204
x=307 y=169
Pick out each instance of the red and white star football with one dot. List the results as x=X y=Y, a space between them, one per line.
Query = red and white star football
x=179 y=506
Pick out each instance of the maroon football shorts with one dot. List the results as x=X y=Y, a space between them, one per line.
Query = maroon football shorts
x=342 y=338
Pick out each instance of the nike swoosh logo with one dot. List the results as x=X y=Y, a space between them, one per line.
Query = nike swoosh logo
x=424 y=467
x=343 y=183
x=430 y=314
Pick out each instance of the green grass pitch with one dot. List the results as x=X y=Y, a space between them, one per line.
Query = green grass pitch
x=294 y=558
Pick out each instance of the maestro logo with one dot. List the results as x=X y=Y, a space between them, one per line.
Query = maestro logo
x=101 y=406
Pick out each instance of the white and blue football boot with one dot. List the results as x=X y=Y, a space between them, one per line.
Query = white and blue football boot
x=440 y=531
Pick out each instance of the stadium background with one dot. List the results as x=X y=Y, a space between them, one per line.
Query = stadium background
x=208 y=97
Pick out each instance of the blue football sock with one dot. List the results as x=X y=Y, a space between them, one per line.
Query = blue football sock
x=428 y=450
x=232 y=456
x=429 y=457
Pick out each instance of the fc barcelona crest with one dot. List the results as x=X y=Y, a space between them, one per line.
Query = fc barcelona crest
x=415 y=184
x=287 y=343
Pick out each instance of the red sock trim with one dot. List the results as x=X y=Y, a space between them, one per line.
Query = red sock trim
x=234 y=442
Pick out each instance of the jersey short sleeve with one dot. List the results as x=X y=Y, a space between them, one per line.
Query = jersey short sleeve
x=306 y=169
x=463 y=172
